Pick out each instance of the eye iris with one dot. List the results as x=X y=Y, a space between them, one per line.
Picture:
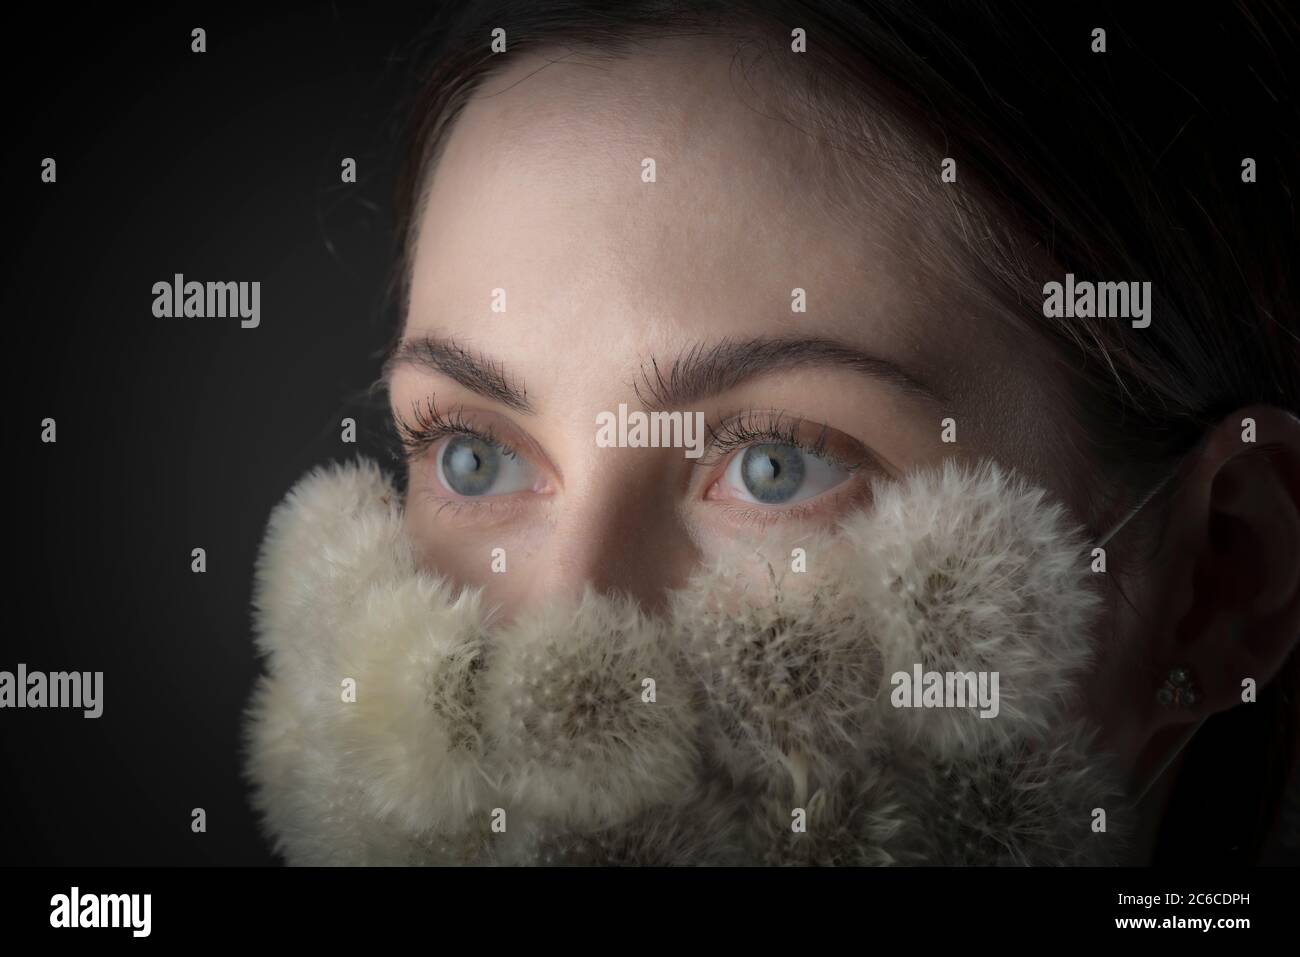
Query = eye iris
x=470 y=465
x=773 y=473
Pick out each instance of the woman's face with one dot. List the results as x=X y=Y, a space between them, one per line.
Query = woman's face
x=677 y=295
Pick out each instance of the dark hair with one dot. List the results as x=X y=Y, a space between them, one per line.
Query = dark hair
x=1127 y=164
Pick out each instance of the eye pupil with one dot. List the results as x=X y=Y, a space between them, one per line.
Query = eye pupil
x=469 y=465
x=463 y=460
x=773 y=473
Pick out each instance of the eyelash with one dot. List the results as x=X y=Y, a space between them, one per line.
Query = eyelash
x=771 y=426
x=427 y=426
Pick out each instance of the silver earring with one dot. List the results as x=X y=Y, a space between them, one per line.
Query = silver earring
x=1178 y=691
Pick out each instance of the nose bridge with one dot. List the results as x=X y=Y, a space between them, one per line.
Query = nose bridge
x=619 y=531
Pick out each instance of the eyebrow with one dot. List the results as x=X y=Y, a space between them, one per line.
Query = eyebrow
x=701 y=371
x=476 y=373
x=707 y=370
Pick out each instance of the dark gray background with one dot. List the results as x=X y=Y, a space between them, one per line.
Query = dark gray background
x=174 y=433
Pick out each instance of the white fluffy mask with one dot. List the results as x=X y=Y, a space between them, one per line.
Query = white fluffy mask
x=769 y=715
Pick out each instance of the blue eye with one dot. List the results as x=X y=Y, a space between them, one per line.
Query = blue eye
x=773 y=473
x=467 y=465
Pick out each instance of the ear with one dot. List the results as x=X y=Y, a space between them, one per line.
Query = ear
x=1224 y=605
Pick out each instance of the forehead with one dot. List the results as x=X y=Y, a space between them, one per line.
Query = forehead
x=542 y=190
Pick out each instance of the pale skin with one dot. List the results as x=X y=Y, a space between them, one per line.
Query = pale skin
x=540 y=193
